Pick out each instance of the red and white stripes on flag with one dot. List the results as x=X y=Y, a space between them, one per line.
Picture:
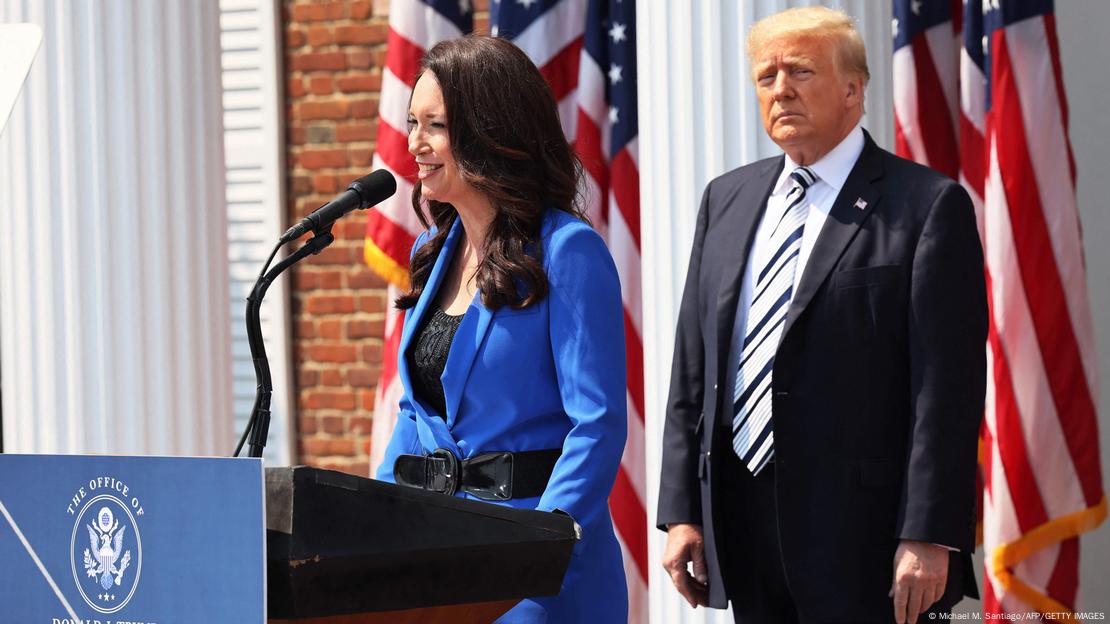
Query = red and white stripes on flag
x=979 y=95
x=587 y=55
x=606 y=139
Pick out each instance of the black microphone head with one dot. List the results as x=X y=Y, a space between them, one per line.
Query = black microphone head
x=374 y=187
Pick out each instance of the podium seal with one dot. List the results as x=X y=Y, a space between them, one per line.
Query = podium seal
x=106 y=553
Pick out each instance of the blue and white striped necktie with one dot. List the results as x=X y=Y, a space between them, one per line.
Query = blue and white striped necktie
x=752 y=429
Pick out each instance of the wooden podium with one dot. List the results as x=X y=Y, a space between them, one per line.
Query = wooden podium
x=346 y=550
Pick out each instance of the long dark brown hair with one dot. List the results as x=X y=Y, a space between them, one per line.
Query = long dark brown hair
x=506 y=139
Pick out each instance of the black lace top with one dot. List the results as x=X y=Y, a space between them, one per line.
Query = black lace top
x=428 y=357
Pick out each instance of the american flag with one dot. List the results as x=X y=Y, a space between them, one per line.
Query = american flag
x=979 y=95
x=587 y=51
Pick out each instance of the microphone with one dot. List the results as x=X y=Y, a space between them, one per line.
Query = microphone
x=362 y=193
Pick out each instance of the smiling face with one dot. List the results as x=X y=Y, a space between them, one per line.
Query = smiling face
x=807 y=104
x=430 y=143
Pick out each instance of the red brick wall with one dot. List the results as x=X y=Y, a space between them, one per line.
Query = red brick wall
x=333 y=55
x=334 y=52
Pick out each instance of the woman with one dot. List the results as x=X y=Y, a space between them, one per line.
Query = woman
x=514 y=335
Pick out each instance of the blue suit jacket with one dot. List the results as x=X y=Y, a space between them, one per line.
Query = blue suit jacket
x=551 y=375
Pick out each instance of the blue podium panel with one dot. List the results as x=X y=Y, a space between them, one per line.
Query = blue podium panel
x=109 y=540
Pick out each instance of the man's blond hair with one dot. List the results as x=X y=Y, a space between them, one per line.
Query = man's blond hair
x=817 y=22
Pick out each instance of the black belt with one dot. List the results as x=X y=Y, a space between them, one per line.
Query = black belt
x=489 y=476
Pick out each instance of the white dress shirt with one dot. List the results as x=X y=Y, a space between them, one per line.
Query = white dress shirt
x=832 y=170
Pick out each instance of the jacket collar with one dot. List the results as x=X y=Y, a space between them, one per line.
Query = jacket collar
x=857 y=199
x=433 y=431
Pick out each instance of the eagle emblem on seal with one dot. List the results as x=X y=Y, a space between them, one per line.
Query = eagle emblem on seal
x=106 y=550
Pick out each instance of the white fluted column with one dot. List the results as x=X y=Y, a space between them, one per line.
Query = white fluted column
x=114 y=310
x=699 y=118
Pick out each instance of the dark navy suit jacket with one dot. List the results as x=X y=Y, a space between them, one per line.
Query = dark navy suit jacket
x=878 y=385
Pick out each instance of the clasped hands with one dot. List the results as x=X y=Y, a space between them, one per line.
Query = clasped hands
x=920 y=572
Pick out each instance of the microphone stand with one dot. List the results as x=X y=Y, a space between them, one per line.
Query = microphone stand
x=258 y=426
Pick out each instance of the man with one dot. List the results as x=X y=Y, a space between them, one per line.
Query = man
x=829 y=368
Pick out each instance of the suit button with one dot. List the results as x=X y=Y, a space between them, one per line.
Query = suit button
x=714 y=387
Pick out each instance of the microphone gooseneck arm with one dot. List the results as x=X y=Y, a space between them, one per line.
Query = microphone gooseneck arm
x=258 y=426
x=361 y=194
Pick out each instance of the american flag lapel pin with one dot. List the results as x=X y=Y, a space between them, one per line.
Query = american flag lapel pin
x=861 y=204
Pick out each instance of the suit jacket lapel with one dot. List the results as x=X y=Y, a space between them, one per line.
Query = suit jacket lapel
x=840 y=227
x=468 y=341
x=739 y=222
x=464 y=349
x=431 y=428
